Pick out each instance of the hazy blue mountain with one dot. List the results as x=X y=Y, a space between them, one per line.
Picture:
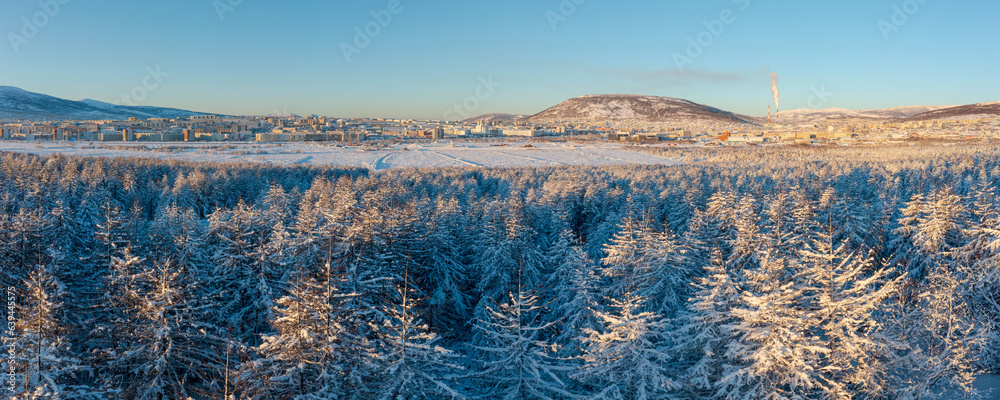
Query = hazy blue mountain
x=20 y=104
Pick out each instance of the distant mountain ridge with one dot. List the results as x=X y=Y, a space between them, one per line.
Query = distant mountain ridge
x=20 y=104
x=972 y=111
x=826 y=114
x=496 y=117
x=637 y=109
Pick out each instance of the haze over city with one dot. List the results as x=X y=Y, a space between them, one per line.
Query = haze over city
x=257 y=57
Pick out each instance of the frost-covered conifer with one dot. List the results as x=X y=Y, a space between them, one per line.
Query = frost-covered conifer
x=625 y=359
x=410 y=360
x=514 y=359
x=305 y=357
x=443 y=273
x=936 y=340
x=701 y=334
x=575 y=290
x=241 y=282
x=164 y=345
x=930 y=229
x=44 y=365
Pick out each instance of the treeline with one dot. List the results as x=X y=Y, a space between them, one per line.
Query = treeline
x=791 y=273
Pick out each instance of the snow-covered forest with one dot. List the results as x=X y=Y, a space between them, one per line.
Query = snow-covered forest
x=787 y=273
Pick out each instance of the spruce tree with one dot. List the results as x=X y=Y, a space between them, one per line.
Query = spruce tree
x=625 y=359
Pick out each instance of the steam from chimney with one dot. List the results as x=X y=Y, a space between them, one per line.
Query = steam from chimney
x=774 y=89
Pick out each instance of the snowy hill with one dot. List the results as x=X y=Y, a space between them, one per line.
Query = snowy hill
x=20 y=104
x=636 y=108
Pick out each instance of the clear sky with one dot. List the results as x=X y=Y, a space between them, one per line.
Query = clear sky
x=267 y=56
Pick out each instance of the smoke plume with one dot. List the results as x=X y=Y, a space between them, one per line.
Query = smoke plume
x=774 y=89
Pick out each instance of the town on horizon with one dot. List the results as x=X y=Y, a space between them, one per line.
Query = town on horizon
x=614 y=118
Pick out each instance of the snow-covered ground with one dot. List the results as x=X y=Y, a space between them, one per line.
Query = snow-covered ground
x=439 y=154
x=989 y=386
x=989 y=382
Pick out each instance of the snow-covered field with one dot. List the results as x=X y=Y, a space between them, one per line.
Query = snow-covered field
x=439 y=154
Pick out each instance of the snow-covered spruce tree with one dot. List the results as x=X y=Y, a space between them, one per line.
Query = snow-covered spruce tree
x=443 y=273
x=575 y=290
x=68 y=236
x=361 y=264
x=386 y=242
x=305 y=356
x=680 y=209
x=507 y=258
x=44 y=364
x=625 y=256
x=164 y=348
x=980 y=267
x=936 y=340
x=930 y=229
x=606 y=226
x=775 y=353
x=982 y=291
x=278 y=258
x=324 y=227
x=748 y=237
x=410 y=363
x=648 y=264
x=23 y=245
x=625 y=359
x=720 y=210
x=276 y=210
x=276 y=206
x=791 y=223
x=779 y=223
x=181 y=236
x=109 y=243
x=982 y=233
x=241 y=282
x=665 y=275
x=878 y=236
x=847 y=295
x=112 y=319
x=514 y=360
x=855 y=217
x=700 y=241
x=701 y=334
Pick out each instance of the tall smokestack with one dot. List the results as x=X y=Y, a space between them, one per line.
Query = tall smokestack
x=769 y=113
x=777 y=95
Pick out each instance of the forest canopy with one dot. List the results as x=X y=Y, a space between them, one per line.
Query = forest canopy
x=777 y=273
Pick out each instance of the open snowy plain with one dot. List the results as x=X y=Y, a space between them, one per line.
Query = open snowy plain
x=438 y=154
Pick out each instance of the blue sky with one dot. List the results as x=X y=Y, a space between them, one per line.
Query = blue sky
x=265 y=56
